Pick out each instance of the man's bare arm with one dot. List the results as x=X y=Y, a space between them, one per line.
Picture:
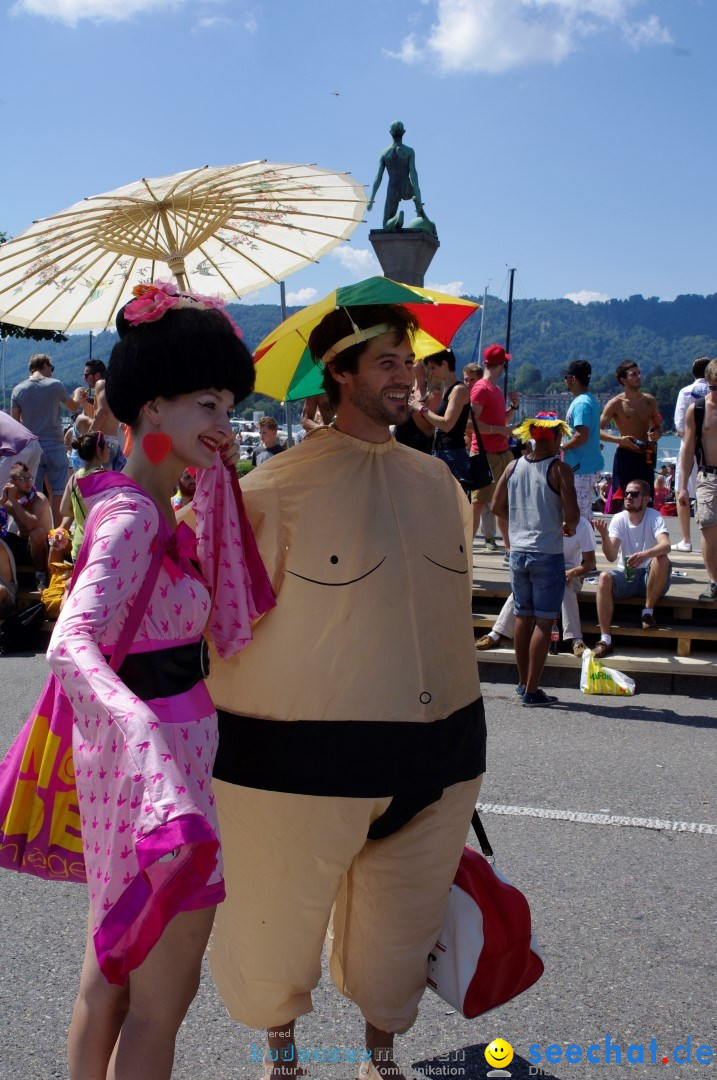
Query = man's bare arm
x=28 y=520
x=74 y=403
x=571 y=511
x=16 y=413
x=456 y=403
x=102 y=413
x=610 y=544
x=606 y=418
x=687 y=454
x=655 y=430
x=587 y=566
x=579 y=438
x=606 y=434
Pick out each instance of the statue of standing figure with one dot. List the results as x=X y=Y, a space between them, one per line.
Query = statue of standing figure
x=399 y=162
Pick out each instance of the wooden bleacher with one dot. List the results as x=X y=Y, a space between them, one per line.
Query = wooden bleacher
x=684 y=644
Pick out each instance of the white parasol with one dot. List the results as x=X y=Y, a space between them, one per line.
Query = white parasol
x=222 y=231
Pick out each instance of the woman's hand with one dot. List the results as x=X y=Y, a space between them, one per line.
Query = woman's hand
x=229 y=452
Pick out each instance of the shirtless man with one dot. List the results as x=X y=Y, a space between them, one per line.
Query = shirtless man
x=94 y=404
x=639 y=425
x=30 y=510
x=700 y=442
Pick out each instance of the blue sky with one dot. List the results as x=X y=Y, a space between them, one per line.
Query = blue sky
x=572 y=139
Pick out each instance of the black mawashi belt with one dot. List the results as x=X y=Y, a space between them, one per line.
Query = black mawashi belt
x=165 y=672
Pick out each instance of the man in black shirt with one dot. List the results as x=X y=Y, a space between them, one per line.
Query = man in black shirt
x=268 y=435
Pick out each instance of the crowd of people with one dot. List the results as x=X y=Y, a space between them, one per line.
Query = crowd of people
x=250 y=786
x=633 y=534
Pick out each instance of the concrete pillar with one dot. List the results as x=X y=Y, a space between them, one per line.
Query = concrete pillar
x=404 y=254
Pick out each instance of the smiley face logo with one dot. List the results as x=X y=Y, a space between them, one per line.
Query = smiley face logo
x=499 y=1053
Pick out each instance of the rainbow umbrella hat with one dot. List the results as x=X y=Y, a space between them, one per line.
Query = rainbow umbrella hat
x=285 y=369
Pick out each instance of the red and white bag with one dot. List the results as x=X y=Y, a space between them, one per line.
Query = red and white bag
x=486 y=952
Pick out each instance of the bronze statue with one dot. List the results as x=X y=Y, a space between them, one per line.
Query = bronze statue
x=399 y=162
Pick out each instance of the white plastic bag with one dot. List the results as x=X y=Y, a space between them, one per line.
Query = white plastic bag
x=595 y=678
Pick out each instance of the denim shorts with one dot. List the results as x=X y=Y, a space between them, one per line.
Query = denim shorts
x=538 y=583
x=54 y=462
x=622 y=589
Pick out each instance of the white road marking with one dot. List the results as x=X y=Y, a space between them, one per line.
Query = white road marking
x=598 y=819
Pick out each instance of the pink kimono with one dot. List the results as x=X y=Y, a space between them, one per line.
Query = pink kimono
x=143 y=768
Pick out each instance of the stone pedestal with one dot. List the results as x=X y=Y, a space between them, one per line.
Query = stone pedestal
x=404 y=255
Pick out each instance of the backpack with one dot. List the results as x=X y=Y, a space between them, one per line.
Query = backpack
x=22 y=631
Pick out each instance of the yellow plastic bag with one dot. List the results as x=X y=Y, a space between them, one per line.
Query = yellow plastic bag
x=53 y=594
x=60 y=573
x=595 y=678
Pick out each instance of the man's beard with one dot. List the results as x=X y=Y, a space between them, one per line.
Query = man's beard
x=372 y=404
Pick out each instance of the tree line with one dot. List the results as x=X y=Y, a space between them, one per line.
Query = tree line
x=663 y=336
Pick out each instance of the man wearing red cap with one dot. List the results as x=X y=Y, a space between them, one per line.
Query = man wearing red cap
x=494 y=422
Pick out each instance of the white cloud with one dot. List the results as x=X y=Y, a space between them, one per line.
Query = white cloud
x=453 y=288
x=409 y=52
x=650 y=32
x=495 y=36
x=213 y=22
x=300 y=298
x=71 y=11
x=586 y=296
x=359 y=261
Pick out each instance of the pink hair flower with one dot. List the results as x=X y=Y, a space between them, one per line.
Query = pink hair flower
x=151 y=302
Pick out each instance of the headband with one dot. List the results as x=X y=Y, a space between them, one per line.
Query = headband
x=355 y=338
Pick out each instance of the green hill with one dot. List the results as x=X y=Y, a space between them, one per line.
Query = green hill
x=663 y=336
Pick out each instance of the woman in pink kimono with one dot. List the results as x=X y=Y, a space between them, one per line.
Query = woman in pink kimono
x=145 y=736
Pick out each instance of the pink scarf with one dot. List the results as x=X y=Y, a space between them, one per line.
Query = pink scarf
x=230 y=560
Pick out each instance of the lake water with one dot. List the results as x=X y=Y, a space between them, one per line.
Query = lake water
x=668 y=446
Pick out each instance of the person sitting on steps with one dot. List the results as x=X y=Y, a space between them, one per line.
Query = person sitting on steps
x=638 y=538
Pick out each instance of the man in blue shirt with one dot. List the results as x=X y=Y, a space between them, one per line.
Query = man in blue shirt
x=582 y=450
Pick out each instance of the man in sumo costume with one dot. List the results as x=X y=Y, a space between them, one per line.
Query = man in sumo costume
x=352 y=731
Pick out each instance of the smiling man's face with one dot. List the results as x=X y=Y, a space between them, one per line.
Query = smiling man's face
x=384 y=380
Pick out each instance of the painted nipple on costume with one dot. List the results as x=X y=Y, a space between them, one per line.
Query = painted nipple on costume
x=156 y=446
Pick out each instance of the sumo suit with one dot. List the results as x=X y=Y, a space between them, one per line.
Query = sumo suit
x=352 y=732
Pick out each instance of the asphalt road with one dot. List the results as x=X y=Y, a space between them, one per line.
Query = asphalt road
x=626 y=912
